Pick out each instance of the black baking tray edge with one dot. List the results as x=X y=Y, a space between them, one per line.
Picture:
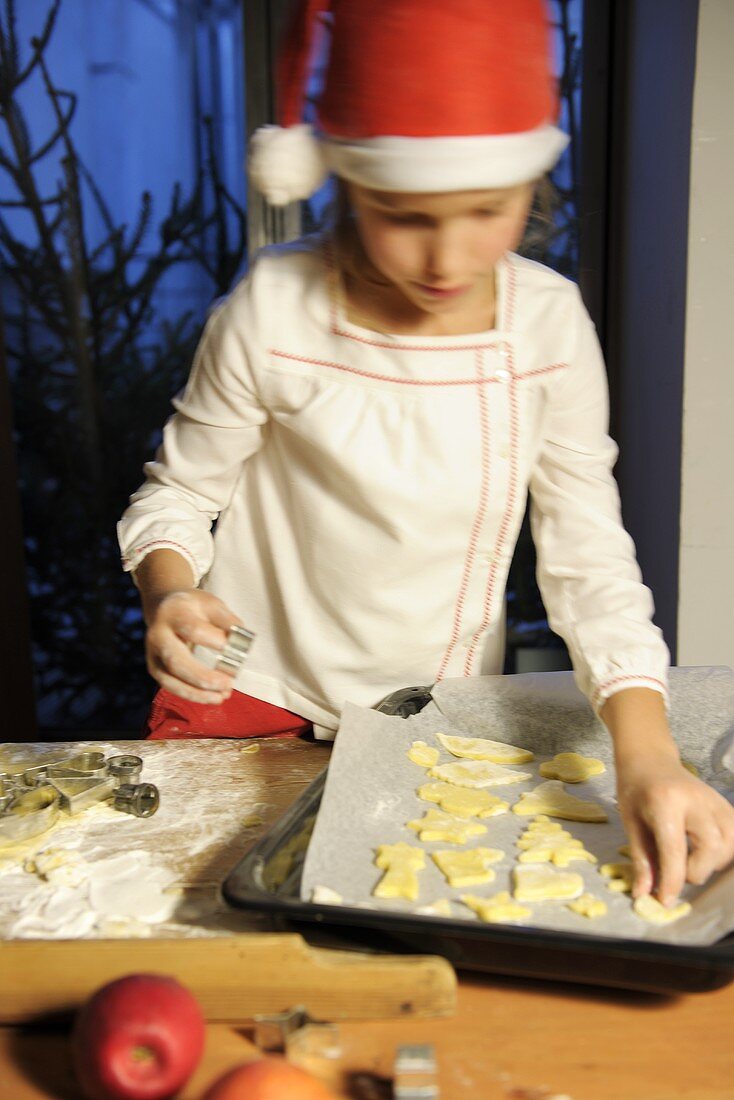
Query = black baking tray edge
x=497 y=949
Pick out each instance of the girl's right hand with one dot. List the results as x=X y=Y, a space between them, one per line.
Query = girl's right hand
x=181 y=620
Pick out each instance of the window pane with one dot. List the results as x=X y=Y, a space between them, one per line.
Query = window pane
x=122 y=219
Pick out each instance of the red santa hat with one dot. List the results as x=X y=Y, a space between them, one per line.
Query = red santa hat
x=420 y=95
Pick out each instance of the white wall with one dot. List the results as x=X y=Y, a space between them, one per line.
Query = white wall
x=706 y=565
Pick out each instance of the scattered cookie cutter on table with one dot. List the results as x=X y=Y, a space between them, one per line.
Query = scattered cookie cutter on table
x=31 y=800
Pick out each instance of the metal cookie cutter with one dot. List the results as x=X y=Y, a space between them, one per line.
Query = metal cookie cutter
x=238 y=645
x=415 y=1072
x=138 y=799
x=125 y=769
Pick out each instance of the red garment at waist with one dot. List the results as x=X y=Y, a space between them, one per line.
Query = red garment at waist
x=241 y=715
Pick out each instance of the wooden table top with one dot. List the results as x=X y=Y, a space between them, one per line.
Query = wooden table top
x=510 y=1039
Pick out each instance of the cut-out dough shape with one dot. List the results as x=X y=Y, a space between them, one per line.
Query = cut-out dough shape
x=480 y=748
x=588 y=906
x=463 y=802
x=437 y=825
x=499 y=909
x=545 y=884
x=440 y=908
x=541 y=846
x=423 y=754
x=651 y=910
x=400 y=862
x=478 y=773
x=470 y=868
x=620 y=876
x=551 y=799
x=571 y=767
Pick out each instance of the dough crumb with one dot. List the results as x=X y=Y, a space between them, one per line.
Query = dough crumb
x=620 y=876
x=423 y=754
x=324 y=895
x=588 y=906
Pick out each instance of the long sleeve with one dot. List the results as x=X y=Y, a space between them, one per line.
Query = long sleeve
x=587 y=570
x=217 y=426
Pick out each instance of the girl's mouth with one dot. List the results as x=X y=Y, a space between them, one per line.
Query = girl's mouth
x=440 y=292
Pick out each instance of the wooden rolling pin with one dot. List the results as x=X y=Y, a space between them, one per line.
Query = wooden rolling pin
x=233 y=977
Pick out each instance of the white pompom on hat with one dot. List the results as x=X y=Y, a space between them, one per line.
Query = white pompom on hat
x=420 y=95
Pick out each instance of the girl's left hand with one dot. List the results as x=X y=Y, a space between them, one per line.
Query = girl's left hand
x=679 y=829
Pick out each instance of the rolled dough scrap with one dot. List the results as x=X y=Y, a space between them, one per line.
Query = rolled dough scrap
x=478 y=773
x=400 y=862
x=588 y=906
x=471 y=868
x=571 y=767
x=620 y=876
x=481 y=748
x=545 y=884
x=499 y=909
x=551 y=799
x=324 y=895
x=421 y=753
x=437 y=825
x=541 y=846
x=463 y=802
x=440 y=908
x=651 y=910
x=60 y=866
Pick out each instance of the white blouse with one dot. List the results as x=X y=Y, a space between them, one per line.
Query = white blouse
x=368 y=490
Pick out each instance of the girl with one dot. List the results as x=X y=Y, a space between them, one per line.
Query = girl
x=368 y=410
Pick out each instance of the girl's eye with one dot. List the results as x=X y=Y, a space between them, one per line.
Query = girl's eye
x=406 y=219
x=488 y=213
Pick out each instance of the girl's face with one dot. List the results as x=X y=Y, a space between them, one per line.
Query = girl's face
x=440 y=249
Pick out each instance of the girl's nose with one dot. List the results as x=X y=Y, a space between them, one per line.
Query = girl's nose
x=444 y=254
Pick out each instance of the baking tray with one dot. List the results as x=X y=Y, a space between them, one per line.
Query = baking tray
x=267 y=881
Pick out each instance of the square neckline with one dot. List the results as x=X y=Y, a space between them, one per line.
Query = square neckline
x=342 y=326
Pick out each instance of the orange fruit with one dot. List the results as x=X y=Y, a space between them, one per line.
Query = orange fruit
x=268 y=1079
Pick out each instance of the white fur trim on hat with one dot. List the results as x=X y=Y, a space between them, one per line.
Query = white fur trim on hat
x=286 y=164
x=446 y=163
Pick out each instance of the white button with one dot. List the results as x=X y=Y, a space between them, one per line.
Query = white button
x=502 y=375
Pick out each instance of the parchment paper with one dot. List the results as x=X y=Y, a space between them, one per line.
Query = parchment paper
x=371 y=788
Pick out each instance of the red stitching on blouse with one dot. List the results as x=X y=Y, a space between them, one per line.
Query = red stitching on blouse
x=383 y=377
x=511 y=294
x=161 y=542
x=622 y=679
x=415 y=381
x=504 y=524
x=394 y=345
x=478 y=519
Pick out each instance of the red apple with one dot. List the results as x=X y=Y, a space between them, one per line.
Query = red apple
x=137 y=1038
